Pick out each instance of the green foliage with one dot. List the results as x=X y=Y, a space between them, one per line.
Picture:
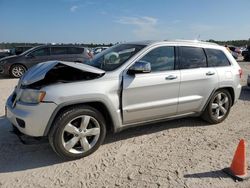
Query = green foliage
x=238 y=43
x=8 y=45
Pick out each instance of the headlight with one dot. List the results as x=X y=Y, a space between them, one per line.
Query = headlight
x=32 y=96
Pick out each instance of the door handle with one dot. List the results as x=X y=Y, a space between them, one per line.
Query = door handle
x=210 y=73
x=171 y=77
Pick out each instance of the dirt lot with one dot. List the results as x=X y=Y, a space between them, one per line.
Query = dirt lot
x=179 y=153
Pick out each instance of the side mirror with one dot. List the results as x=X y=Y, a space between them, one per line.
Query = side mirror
x=140 y=67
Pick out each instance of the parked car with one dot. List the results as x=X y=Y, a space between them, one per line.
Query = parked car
x=20 y=49
x=4 y=54
x=235 y=51
x=98 y=50
x=129 y=84
x=246 y=54
x=17 y=65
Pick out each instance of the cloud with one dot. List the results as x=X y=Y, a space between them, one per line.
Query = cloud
x=138 y=21
x=73 y=8
x=144 y=27
x=103 y=12
x=176 y=21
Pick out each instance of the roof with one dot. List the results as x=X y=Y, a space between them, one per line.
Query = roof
x=190 y=42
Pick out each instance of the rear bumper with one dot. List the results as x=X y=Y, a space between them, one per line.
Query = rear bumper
x=30 y=119
x=237 y=93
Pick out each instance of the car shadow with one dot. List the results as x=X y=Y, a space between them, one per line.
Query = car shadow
x=154 y=128
x=16 y=156
x=209 y=174
x=245 y=93
x=6 y=77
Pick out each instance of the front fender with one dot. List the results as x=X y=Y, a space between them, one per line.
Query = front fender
x=114 y=114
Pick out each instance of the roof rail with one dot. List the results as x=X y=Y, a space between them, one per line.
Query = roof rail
x=192 y=41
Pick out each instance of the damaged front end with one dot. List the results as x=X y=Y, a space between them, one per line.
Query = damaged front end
x=54 y=72
x=29 y=89
x=28 y=108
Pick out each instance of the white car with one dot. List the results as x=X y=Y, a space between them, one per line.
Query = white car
x=75 y=104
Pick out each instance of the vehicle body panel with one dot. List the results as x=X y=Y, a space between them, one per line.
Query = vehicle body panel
x=149 y=96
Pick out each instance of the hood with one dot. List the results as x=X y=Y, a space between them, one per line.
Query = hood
x=39 y=71
x=8 y=57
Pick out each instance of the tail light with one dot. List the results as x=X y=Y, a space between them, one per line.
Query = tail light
x=240 y=73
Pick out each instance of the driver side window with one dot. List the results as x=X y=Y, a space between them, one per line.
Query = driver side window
x=41 y=52
x=161 y=58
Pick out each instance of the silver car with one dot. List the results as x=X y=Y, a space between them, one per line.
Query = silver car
x=129 y=84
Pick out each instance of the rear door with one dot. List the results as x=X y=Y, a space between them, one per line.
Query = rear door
x=218 y=60
x=197 y=79
x=59 y=53
x=154 y=95
x=76 y=54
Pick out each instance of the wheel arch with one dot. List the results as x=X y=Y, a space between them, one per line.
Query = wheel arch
x=229 y=89
x=101 y=107
x=16 y=64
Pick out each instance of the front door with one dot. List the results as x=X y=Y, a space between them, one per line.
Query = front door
x=153 y=95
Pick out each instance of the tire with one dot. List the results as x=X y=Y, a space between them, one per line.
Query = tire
x=214 y=113
x=75 y=132
x=17 y=70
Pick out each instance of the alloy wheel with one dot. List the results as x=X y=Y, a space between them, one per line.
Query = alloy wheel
x=17 y=71
x=80 y=134
x=220 y=106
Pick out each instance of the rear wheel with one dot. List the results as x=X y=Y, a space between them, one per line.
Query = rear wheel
x=218 y=107
x=77 y=132
x=17 y=70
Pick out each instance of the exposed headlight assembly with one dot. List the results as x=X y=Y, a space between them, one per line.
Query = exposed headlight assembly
x=32 y=96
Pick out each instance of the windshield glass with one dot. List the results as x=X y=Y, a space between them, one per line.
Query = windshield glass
x=112 y=58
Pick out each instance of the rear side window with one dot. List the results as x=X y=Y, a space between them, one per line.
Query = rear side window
x=216 y=58
x=192 y=57
x=75 y=50
x=58 y=50
x=161 y=58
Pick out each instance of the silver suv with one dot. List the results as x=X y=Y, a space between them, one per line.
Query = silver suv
x=126 y=85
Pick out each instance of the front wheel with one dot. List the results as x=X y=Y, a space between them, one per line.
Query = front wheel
x=77 y=132
x=17 y=70
x=218 y=107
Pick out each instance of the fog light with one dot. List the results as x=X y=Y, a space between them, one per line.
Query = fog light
x=20 y=122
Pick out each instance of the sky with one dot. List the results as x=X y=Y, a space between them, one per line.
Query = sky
x=111 y=21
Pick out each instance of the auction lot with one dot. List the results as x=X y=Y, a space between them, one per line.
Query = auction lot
x=179 y=153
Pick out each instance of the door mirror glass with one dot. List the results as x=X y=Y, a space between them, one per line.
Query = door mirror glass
x=140 y=67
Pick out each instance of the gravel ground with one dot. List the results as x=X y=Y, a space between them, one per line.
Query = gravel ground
x=179 y=153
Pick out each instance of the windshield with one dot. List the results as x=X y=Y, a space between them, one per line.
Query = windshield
x=112 y=58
